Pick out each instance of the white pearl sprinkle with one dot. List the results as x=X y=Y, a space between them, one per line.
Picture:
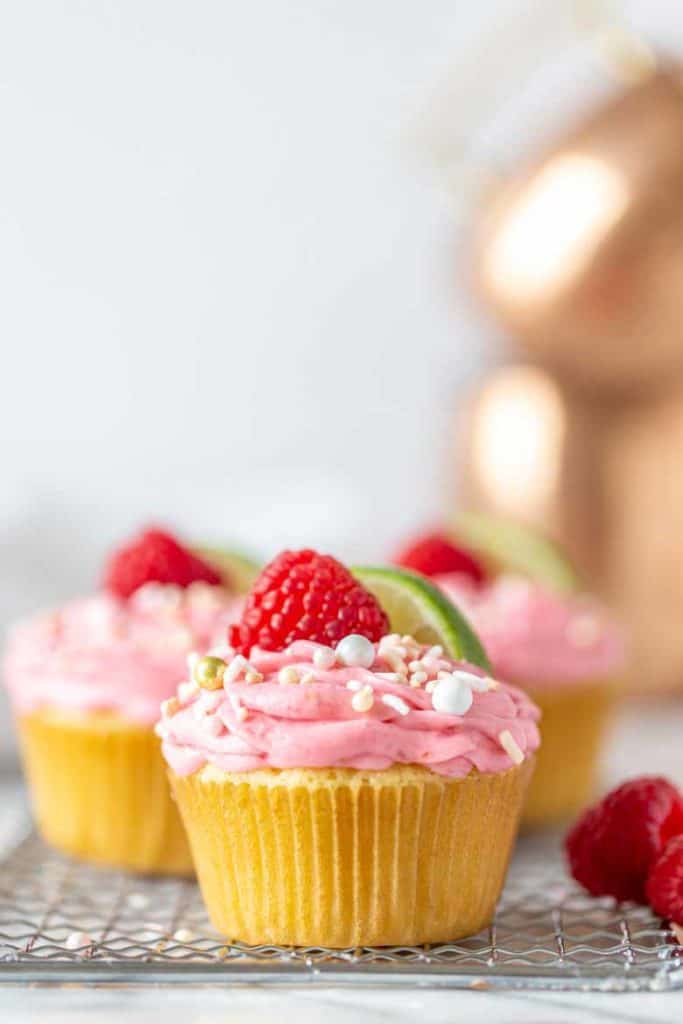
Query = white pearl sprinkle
x=418 y=678
x=363 y=700
x=354 y=684
x=435 y=652
x=396 y=703
x=452 y=696
x=324 y=658
x=288 y=675
x=356 y=651
x=77 y=940
x=183 y=935
x=510 y=746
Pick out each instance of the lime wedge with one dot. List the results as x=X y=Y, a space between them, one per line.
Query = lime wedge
x=416 y=606
x=509 y=545
x=240 y=569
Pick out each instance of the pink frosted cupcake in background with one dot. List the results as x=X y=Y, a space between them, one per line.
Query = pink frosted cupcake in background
x=561 y=646
x=86 y=682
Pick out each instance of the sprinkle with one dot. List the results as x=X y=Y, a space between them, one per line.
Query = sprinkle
x=307 y=678
x=510 y=746
x=391 y=677
x=363 y=700
x=253 y=676
x=170 y=706
x=324 y=658
x=418 y=678
x=183 y=935
x=477 y=683
x=435 y=652
x=392 y=657
x=238 y=708
x=186 y=691
x=584 y=630
x=397 y=703
x=138 y=900
x=287 y=675
x=210 y=699
x=431 y=686
x=452 y=696
x=354 y=684
x=77 y=940
x=237 y=666
x=416 y=666
x=356 y=651
x=493 y=684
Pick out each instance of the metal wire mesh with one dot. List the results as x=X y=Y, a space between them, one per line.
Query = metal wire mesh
x=65 y=921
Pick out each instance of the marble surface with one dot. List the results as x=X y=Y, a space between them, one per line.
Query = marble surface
x=647 y=737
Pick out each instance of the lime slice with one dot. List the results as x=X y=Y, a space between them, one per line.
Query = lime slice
x=416 y=606
x=509 y=545
x=238 y=567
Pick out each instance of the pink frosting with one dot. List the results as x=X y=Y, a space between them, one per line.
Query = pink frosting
x=102 y=653
x=535 y=636
x=312 y=724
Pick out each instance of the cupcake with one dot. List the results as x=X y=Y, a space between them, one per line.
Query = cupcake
x=85 y=683
x=341 y=783
x=567 y=653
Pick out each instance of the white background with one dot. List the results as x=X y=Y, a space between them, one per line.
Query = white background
x=230 y=292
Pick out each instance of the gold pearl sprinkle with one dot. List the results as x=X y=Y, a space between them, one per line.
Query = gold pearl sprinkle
x=208 y=672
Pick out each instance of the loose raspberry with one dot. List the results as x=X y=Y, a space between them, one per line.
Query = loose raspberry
x=302 y=595
x=665 y=882
x=613 y=845
x=155 y=557
x=435 y=555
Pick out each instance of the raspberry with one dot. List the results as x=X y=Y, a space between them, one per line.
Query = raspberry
x=613 y=845
x=302 y=595
x=665 y=882
x=434 y=555
x=155 y=557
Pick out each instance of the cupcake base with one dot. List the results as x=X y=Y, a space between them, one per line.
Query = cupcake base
x=99 y=791
x=338 y=857
x=573 y=723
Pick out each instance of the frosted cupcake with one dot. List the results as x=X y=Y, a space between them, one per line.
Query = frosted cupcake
x=85 y=682
x=567 y=653
x=341 y=784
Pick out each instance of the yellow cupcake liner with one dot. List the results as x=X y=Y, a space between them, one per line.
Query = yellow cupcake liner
x=338 y=857
x=99 y=790
x=573 y=724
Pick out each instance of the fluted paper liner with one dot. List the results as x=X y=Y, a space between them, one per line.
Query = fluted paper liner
x=573 y=723
x=337 y=857
x=99 y=790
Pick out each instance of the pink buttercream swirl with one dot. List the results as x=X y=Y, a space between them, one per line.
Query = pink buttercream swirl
x=103 y=653
x=533 y=635
x=313 y=724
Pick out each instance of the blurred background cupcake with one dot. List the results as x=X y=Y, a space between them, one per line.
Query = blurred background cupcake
x=86 y=681
x=541 y=633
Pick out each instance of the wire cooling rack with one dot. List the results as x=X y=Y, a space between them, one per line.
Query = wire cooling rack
x=63 y=921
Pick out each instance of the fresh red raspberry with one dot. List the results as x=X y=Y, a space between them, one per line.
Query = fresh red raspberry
x=155 y=557
x=435 y=555
x=665 y=882
x=302 y=595
x=614 y=844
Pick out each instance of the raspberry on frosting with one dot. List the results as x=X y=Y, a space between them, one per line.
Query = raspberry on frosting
x=433 y=554
x=302 y=595
x=614 y=844
x=155 y=557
